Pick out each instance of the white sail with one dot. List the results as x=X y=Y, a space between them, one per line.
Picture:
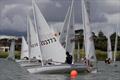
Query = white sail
x=11 y=55
x=115 y=48
x=50 y=46
x=24 y=49
x=68 y=34
x=63 y=34
x=35 y=51
x=88 y=38
x=109 y=51
x=116 y=43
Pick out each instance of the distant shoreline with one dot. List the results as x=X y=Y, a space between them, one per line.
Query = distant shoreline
x=101 y=55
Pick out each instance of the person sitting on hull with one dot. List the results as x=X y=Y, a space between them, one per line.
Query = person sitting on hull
x=87 y=62
x=26 y=58
x=108 y=61
x=68 y=58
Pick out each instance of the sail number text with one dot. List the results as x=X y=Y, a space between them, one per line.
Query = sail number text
x=48 y=41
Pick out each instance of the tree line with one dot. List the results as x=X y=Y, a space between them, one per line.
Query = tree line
x=100 y=41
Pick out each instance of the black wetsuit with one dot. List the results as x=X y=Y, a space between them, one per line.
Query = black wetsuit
x=69 y=59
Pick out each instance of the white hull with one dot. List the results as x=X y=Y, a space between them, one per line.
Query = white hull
x=19 y=61
x=58 y=69
x=28 y=63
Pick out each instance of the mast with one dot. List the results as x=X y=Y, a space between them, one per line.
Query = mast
x=36 y=29
x=28 y=37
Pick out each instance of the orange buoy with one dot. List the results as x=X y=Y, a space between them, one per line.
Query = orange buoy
x=73 y=74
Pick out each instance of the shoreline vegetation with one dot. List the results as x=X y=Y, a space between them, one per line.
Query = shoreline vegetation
x=5 y=54
x=101 y=55
x=100 y=42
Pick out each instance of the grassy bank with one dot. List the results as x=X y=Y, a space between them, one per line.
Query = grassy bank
x=5 y=54
x=101 y=55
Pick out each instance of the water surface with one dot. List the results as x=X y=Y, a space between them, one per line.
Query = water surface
x=10 y=70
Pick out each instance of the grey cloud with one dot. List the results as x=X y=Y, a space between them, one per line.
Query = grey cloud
x=18 y=23
x=53 y=10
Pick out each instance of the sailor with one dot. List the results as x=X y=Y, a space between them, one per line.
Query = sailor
x=26 y=58
x=39 y=61
x=108 y=61
x=87 y=62
x=68 y=58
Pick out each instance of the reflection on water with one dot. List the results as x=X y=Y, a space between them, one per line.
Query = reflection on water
x=10 y=70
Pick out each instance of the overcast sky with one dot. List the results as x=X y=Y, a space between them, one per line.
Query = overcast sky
x=13 y=12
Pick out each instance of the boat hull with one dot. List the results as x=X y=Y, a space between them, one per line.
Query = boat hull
x=28 y=63
x=58 y=69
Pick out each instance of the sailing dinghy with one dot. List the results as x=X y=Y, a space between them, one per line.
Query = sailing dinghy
x=24 y=51
x=51 y=49
x=68 y=34
x=88 y=37
x=33 y=50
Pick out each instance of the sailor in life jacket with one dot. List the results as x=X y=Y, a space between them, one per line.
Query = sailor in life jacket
x=87 y=62
x=26 y=58
x=68 y=58
x=108 y=61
